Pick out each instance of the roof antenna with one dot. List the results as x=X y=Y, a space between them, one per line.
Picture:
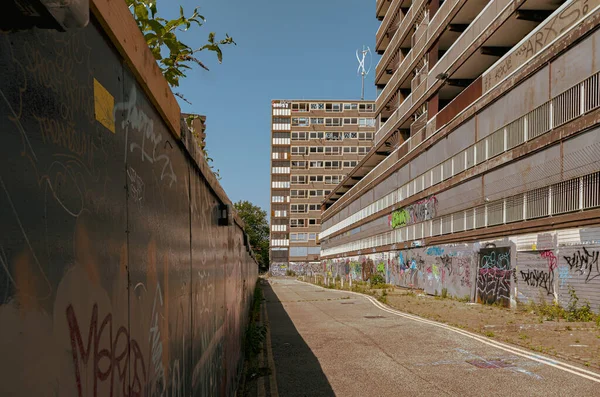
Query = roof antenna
x=361 y=67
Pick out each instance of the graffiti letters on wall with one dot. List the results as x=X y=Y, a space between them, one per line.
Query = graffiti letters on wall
x=494 y=276
x=420 y=211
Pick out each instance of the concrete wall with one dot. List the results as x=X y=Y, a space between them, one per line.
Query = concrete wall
x=115 y=277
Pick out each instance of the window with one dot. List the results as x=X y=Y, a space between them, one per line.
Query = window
x=350 y=121
x=299 y=136
x=349 y=164
x=281 y=120
x=312 y=236
x=366 y=107
x=333 y=107
x=280 y=185
x=333 y=150
x=317 y=106
x=316 y=149
x=332 y=122
x=350 y=149
x=298 y=237
x=300 y=121
x=316 y=178
x=333 y=136
x=298 y=208
x=280 y=213
x=350 y=106
x=365 y=136
x=297 y=222
x=363 y=149
x=317 y=120
x=299 y=179
x=314 y=207
x=326 y=192
x=298 y=150
x=313 y=222
x=298 y=165
x=299 y=107
x=350 y=135
x=298 y=193
x=315 y=193
x=277 y=199
x=332 y=164
x=316 y=164
x=317 y=135
x=332 y=179
x=363 y=122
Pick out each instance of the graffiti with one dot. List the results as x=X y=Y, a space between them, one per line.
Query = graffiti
x=584 y=262
x=108 y=354
x=539 y=279
x=137 y=120
x=420 y=211
x=381 y=267
x=550 y=30
x=434 y=251
x=156 y=351
x=136 y=186
x=563 y=275
x=493 y=278
x=552 y=260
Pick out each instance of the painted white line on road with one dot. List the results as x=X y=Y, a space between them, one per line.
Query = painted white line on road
x=593 y=376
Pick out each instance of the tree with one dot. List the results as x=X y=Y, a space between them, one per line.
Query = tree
x=173 y=56
x=257 y=228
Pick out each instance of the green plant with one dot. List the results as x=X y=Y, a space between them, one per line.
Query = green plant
x=489 y=334
x=444 y=293
x=172 y=55
x=575 y=313
x=523 y=336
x=376 y=280
x=290 y=273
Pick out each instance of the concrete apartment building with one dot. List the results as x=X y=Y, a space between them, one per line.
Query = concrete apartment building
x=314 y=144
x=484 y=178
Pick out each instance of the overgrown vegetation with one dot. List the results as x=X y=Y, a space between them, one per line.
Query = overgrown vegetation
x=257 y=228
x=253 y=341
x=172 y=55
x=290 y=273
x=574 y=312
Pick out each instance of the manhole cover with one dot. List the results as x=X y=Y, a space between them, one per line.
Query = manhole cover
x=489 y=364
x=373 y=317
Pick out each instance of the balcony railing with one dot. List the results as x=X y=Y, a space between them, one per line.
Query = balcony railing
x=392 y=14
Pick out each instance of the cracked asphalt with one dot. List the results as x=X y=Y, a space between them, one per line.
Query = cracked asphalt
x=327 y=342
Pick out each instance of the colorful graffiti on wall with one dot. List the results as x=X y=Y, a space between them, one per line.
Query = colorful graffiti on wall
x=420 y=211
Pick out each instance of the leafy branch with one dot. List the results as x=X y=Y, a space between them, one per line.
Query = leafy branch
x=173 y=56
x=201 y=144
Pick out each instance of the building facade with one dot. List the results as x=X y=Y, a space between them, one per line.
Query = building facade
x=484 y=179
x=314 y=144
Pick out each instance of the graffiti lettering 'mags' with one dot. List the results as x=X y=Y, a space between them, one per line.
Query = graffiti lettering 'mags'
x=108 y=353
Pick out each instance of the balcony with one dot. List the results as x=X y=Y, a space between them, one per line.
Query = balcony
x=392 y=17
x=405 y=27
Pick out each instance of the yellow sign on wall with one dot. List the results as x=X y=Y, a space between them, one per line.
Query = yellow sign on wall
x=104 y=103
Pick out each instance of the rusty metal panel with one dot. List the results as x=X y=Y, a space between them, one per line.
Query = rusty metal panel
x=520 y=100
x=581 y=154
x=458 y=104
x=540 y=169
x=575 y=65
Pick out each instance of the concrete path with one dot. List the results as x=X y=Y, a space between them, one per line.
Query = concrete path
x=327 y=342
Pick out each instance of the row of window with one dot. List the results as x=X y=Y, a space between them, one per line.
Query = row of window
x=331 y=136
x=299 y=237
x=303 y=193
x=332 y=107
x=332 y=121
x=328 y=179
x=304 y=222
x=303 y=208
x=331 y=150
x=334 y=164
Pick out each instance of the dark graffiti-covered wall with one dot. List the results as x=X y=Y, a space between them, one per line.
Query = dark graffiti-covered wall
x=115 y=277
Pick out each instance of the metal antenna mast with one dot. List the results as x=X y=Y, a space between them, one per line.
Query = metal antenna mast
x=361 y=67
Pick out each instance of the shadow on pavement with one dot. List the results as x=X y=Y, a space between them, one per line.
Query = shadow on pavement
x=297 y=369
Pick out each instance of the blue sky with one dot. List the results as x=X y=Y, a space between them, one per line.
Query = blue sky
x=286 y=49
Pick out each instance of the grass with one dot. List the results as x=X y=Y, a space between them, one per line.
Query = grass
x=489 y=334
